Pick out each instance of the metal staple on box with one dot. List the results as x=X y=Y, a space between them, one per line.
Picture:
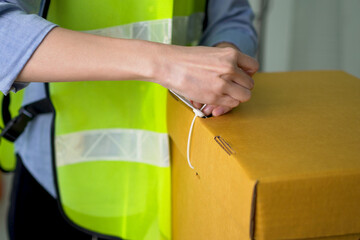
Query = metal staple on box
x=224 y=145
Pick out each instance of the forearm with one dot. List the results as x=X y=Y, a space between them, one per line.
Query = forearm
x=203 y=74
x=66 y=55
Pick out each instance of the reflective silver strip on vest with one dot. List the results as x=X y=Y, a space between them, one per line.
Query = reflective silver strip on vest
x=179 y=30
x=128 y=145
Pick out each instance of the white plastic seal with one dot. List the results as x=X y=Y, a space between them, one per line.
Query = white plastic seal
x=198 y=113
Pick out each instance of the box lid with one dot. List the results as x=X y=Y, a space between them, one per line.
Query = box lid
x=294 y=172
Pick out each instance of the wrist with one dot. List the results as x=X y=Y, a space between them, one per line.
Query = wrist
x=160 y=57
x=133 y=59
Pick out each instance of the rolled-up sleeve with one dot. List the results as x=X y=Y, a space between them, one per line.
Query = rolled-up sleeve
x=20 y=35
x=230 y=21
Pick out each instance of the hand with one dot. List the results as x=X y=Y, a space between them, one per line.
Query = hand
x=214 y=76
x=216 y=110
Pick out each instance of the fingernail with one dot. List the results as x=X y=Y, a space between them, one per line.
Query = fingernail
x=207 y=110
x=218 y=111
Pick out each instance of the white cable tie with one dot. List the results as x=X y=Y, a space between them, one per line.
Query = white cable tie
x=198 y=113
x=189 y=140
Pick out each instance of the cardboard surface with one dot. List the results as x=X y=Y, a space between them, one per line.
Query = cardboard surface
x=295 y=173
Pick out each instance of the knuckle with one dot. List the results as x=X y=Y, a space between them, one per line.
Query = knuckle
x=229 y=55
x=229 y=68
x=220 y=87
x=232 y=52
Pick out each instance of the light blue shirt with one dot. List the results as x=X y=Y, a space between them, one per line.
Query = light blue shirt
x=21 y=32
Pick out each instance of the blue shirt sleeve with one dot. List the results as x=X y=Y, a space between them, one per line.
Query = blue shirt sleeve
x=230 y=21
x=20 y=35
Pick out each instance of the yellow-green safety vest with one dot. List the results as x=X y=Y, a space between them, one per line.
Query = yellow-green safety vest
x=110 y=142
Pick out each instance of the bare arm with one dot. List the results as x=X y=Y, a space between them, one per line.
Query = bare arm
x=66 y=55
x=203 y=74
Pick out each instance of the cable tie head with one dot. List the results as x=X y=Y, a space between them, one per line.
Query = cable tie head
x=198 y=113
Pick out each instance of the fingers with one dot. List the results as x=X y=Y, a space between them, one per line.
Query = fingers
x=216 y=110
x=220 y=110
x=240 y=77
x=238 y=87
x=224 y=93
x=230 y=90
x=247 y=64
x=228 y=101
x=196 y=104
x=208 y=109
x=236 y=92
x=213 y=110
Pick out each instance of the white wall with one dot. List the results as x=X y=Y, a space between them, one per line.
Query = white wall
x=312 y=34
x=350 y=32
x=278 y=35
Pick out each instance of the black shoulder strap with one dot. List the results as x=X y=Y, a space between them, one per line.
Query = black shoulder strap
x=206 y=20
x=16 y=126
x=45 y=9
x=5 y=112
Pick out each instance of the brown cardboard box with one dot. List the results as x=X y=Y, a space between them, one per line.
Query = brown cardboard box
x=293 y=170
